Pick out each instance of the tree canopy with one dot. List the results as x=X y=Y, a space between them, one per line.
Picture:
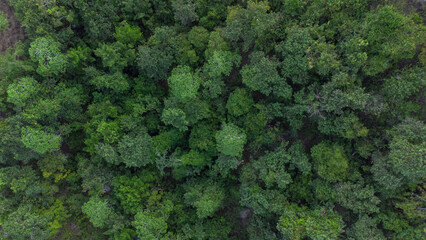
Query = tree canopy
x=213 y=120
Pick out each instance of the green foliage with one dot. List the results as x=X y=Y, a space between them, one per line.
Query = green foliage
x=216 y=43
x=357 y=198
x=52 y=163
x=391 y=37
x=98 y=211
x=22 y=91
x=151 y=223
x=299 y=158
x=193 y=158
x=175 y=117
x=128 y=34
x=262 y=75
x=300 y=222
x=221 y=63
x=272 y=167
x=230 y=140
x=24 y=223
x=59 y=214
x=115 y=56
x=365 y=228
x=331 y=162
x=199 y=38
x=202 y=138
x=184 y=83
x=205 y=197
x=117 y=81
x=253 y=25
x=239 y=102
x=4 y=23
x=184 y=12
x=407 y=150
x=40 y=140
x=135 y=149
x=224 y=164
x=154 y=63
x=46 y=52
x=132 y=191
x=294 y=51
x=412 y=204
x=212 y=119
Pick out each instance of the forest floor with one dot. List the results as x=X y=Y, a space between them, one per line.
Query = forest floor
x=14 y=33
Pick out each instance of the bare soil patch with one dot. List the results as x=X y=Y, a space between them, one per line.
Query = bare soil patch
x=14 y=33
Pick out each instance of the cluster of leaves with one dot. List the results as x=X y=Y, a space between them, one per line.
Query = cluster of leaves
x=196 y=119
x=4 y=22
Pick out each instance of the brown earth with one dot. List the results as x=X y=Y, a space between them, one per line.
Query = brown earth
x=14 y=33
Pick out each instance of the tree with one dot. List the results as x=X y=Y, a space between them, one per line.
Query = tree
x=46 y=52
x=184 y=83
x=407 y=150
x=151 y=222
x=202 y=138
x=135 y=149
x=24 y=224
x=391 y=36
x=117 y=81
x=95 y=179
x=265 y=202
x=22 y=91
x=399 y=89
x=358 y=198
x=365 y=228
x=154 y=63
x=58 y=215
x=224 y=164
x=206 y=197
x=317 y=224
x=39 y=140
x=134 y=191
x=53 y=163
x=299 y=158
x=185 y=12
x=272 y=167
x=128 y=34
x=252 y=25
x=199 y=38
x=175 y=117
x=137 y=10
x=262 y=75
x=98 y=211
x=230 y=140
x=323 y=58
x=294 y=54
x=239 y=102
x=216 y=43
x=115 y=56
x=331 y=162
x=194 y=158
x=221 y=63
x=99 y=19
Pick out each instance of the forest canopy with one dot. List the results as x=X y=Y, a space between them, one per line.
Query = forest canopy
x=196 y=119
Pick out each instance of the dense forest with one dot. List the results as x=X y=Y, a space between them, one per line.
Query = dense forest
x=214 y=119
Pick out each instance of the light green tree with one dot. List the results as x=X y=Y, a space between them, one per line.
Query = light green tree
x=330 y=160
x=39 y=140
x=46 y=52
x=184 y=83
x=230 y=140
x=98 y=211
